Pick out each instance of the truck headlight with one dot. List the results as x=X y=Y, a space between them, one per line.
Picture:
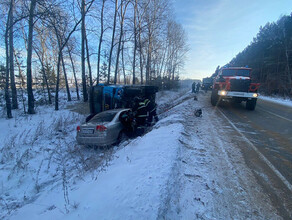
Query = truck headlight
x=222 y=92
x=255 y=95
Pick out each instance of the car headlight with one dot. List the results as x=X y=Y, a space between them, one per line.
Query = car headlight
x=255 y=95
x=222 y=92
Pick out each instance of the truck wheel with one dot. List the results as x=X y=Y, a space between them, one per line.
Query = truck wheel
x=214 y=97
x=251 y=104
x=122 y=137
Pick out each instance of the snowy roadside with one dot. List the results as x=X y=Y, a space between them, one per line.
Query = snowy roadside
x=278 y=100
x=38 y=153
x=46 y=175
x=132 y=186
x=182 y=169
x=213 y=181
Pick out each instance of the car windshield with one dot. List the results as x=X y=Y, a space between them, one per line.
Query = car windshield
x=104 y=117
x=209 y=80
x=235 y=72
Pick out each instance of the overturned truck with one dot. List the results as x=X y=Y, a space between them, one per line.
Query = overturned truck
x=106 y=97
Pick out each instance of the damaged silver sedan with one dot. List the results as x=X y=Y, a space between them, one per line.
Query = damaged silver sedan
x=103 y=129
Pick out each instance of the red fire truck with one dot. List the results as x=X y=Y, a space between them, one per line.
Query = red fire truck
x=235 y=84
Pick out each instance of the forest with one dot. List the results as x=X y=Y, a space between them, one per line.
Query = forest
x=56 y=44
x=270 y=57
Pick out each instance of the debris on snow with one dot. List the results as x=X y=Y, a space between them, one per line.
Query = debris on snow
x=198 y=112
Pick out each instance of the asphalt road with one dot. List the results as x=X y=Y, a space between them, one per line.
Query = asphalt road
x=265 y=139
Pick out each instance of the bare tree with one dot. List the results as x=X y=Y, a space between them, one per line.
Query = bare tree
x=100 y=40
x=29 y=58
x=43 y=70
x=69 y=48
x=7 y=96
x=88 y=60
x=62 y=44
x=139 y=31
x=141 y=16
x=41 y=55
x=22 y=84
x=112 y=43
x=135 y=41
x=123 y=63
x=123 y=9
x=83 y=34
x=66 y=80
x=11 y=61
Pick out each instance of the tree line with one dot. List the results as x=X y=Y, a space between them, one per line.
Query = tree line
x=270 y=57
x=103 y=41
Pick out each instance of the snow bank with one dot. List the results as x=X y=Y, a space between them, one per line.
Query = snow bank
x=170 y=99
x=132 y=187
x=279 y=100
x=44 y=174
x=33 y=151
x=167 y=96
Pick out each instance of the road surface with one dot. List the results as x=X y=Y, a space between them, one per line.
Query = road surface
x=264 y=137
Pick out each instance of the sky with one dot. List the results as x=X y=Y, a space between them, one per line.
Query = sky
x=218 y=30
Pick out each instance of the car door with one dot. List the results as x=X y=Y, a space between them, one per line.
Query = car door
x=115 y=127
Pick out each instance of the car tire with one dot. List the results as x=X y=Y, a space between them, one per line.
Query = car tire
x=251 y=104
x=122 y=137
x=214 y=97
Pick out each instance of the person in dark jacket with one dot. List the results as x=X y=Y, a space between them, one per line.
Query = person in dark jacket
x=140 y=111
x=198 y=87
x=151 y=108
x=127 y=119
x=193 y=87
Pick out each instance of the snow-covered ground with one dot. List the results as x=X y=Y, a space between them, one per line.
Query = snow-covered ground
x=181 y=169
x=278 y=100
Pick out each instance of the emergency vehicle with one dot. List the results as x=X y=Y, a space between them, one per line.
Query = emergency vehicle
x=207 y=83
x=235 y=84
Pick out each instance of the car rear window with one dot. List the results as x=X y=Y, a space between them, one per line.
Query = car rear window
x=104 y=117
x=235 y=72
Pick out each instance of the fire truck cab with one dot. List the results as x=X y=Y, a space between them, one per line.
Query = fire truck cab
x=234 y=84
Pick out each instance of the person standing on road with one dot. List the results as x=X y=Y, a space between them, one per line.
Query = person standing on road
x=198 y=87
x=193 y=87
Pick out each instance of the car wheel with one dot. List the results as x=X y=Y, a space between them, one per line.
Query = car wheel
x=214 y=97
x=251 y=104
x=122 y=137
